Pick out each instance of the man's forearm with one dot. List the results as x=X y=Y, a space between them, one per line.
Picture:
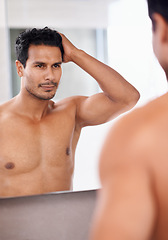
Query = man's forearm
x=110 y=81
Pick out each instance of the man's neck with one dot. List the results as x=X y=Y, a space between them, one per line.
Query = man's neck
x=32 y=107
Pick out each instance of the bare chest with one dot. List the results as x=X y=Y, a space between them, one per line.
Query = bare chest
x=25 y=147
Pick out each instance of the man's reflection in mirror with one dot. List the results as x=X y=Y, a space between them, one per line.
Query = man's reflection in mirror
x=38 y=137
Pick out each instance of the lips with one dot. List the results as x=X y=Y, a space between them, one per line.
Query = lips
x=48 y=85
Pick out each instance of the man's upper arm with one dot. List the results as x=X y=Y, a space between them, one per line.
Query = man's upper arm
x=97 y=109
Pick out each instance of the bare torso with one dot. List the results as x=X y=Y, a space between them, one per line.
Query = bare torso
x=152 y=121
x=134 y=175
x=37 y=156
x=153 y=127
x=158 y=162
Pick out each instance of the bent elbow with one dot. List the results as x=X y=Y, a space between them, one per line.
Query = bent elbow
x=132 y=101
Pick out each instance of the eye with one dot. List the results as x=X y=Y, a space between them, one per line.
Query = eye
x=39 y=65
x=56 y=65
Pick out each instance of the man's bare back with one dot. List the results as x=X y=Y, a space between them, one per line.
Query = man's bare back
x=38 y=137
x=133 y=202
x=156 y=144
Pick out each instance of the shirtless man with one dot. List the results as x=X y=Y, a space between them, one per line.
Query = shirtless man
x=133 y=202
x=38 y=137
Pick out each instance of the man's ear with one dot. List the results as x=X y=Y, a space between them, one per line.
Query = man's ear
x=19 y=68
x=161 y=27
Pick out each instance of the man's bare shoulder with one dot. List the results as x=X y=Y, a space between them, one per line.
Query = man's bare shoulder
x=150 y=118
x=73 y=100
x=138 y=137
x=6 y=107
x=69 y=104
x=68 y=108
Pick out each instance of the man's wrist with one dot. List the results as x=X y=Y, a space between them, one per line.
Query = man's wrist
x=76 y=54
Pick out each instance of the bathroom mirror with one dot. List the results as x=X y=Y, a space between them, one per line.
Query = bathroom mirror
x=85 y=24
x=117 y=32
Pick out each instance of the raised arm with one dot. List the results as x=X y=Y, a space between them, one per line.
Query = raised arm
x=118 y=95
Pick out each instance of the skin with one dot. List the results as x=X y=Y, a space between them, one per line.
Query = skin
x=38 y=137
x=133 y=202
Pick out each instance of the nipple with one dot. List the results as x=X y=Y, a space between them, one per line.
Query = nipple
x=68 y=151
x=9 y=165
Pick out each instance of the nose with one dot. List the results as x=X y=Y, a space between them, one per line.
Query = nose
x=49 y=74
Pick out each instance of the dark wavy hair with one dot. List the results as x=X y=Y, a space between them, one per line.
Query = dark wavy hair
x=44 y=36
x=158 y=6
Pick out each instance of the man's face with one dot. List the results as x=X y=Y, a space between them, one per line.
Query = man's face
x=42 y=73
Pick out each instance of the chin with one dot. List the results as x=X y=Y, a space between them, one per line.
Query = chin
x=46 y=97
x=42 y=96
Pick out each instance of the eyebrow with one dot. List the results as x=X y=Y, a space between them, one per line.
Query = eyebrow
x=43 y=63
